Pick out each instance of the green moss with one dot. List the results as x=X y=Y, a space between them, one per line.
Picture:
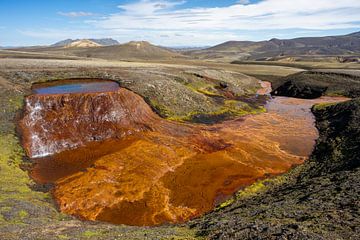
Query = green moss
x=231 y=108
x=322 y=106
x=13 y=180
x=63 y=237
x=335 y=93
x=208 y=92
x=203 y=88
x=16 y=102
x=252 y=190
x=261 y=186
x=160 y=109
x=225 y=204
x=2 y=219
x=23 y=214
x=89 y=234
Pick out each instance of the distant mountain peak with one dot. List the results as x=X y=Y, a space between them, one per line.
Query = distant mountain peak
x=355 y=34
x=101 y=41
x=84 y=43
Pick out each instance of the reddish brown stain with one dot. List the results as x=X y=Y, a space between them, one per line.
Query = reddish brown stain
x=145 y=170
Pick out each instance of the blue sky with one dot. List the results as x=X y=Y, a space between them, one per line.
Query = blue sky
x=173 y=22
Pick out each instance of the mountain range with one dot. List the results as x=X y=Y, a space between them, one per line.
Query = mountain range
x=101 y=41
x=278 y=48
x=344 y=48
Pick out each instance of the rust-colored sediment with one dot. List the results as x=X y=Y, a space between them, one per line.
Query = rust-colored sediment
x=144 y=170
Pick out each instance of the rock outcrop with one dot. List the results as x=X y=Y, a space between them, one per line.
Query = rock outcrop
x=54 y=123
x=338 y=148
x=314 y=84
x=300 y=90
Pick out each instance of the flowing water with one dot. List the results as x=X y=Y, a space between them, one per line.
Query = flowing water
x=123 y=164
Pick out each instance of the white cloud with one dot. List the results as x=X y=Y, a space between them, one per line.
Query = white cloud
x=149 y=6
x=75 y=14
x=243 y=2
x=267 y=14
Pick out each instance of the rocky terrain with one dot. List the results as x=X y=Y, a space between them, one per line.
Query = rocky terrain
x=317 y=200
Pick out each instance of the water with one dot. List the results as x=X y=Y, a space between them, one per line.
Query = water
x=174 y=171
x=75 y=86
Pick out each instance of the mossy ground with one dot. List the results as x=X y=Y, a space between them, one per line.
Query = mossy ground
x=322 y=106
x=230 y=109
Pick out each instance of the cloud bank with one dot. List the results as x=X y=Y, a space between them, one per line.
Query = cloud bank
x=152 y=20
x=266 y=14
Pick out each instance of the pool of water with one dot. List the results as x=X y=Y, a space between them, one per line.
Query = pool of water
x=75 y=86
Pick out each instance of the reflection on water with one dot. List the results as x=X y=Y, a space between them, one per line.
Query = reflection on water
x=75 y=86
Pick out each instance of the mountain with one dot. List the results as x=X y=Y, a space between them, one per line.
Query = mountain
x=85 y=43
x=132 y=50
x=186 y=48
x=101 y=41
x=105 y=41
x=278 y=48
x=62 y=43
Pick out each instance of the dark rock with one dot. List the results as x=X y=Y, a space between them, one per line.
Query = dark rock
x=299 y=90
x=314 y=84
x=223 y=85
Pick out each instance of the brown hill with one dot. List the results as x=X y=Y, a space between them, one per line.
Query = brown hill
x=141 y=50
x=132 y=50
x=277 y=48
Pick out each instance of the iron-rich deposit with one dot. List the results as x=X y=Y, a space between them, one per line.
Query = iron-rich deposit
x=111 y=158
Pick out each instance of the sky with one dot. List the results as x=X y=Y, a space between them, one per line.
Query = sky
x=173 y=22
